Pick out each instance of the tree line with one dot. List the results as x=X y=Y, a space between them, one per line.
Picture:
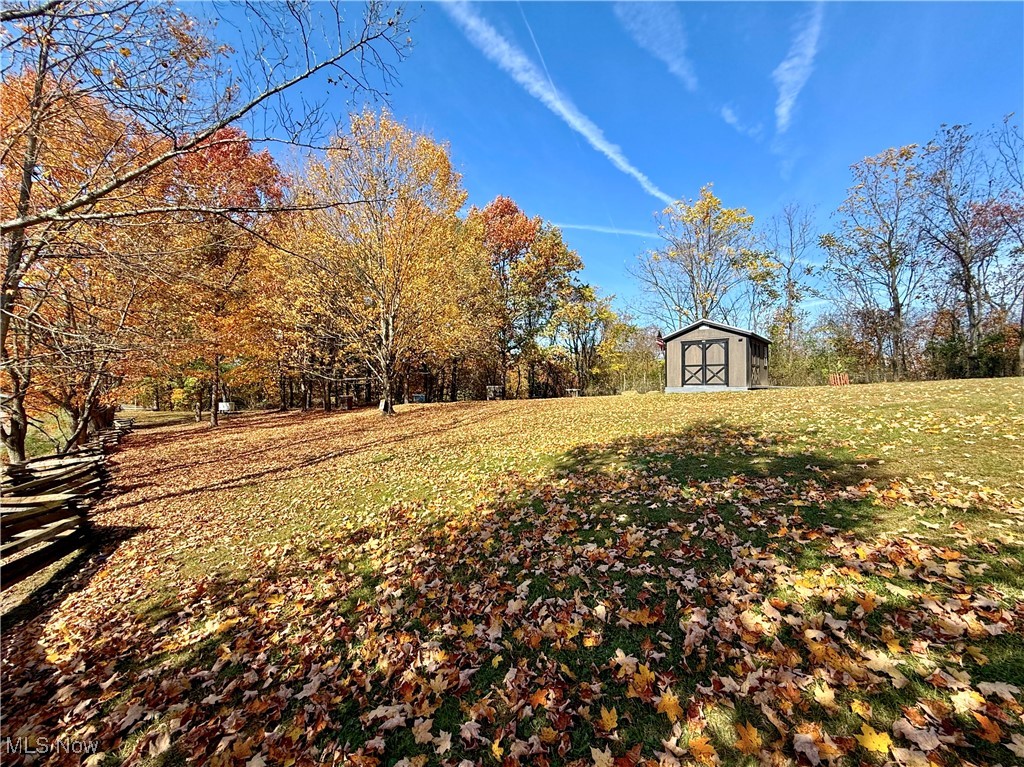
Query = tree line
x=154 y=253
x=922 y=273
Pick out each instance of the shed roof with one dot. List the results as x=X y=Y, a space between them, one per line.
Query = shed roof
x=719 y=326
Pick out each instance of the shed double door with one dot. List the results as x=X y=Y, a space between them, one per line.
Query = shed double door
x=706 y=363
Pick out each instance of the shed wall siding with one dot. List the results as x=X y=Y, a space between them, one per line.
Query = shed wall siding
x=673 y=364
x=738 y=356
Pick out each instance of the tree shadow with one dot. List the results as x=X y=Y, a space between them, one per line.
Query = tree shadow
x=41 y=594
x=292 y=460
x=522 y=603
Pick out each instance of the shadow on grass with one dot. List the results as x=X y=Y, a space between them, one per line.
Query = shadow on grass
x=305 y=641
x=41 y=594
x=411 y=422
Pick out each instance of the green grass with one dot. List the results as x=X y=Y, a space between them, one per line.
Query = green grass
x=282 y=544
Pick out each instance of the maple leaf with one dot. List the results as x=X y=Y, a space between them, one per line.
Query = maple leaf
x=967 y=701
x=640 y=683
x=1005 y=691
x=806 y=744
x=990 y=731
x=702 y=750
x=1016 y=744
x=668 y=704
x=627 y=663
x=926 y=739
x=908 y=757
x=609 y=719
x=421 y=730
x=872 y=740
x=749 y=741
x=602 y=758
x=470 y=731
x=825 y=696
x=443 y=742
x=861 y=708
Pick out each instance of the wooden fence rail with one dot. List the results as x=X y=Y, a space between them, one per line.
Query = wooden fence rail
x=45 y=502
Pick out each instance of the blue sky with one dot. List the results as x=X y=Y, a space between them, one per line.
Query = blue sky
x=593 y=114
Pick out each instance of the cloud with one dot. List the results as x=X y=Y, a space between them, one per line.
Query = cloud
x=792 y=74
x=658 y=29
x=731 y=118
x=520 y=68
x=607 y=230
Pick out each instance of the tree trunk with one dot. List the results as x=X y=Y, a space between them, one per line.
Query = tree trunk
x=15 y=428
x=455 y=381
x=214 y=390
x=1020 y=345
x=387 y=394
x=898 y=347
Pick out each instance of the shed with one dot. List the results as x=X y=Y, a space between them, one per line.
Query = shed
x=710 y=356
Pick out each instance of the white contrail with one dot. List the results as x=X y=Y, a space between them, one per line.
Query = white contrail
x=658 y=29
x=728 y=114
x=607 y=230
x=792 y=74
x=520 y=68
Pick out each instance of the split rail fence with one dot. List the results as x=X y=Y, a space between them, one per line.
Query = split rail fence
x=45 y=502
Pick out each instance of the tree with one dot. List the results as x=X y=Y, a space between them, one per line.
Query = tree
x=1009 y=143
x=875 y=254
x=372 y=266
x=532 y=269
x=465 y=321
x=111 y=97
x=218 y=266
x=707 y=258
x=965 y=223
x=583 y=322
x=790 y=238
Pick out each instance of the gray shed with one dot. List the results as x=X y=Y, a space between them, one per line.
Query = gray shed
x=710 y=356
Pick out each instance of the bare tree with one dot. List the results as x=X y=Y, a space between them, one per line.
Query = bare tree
x=964 y=222
x=1009 y=143
x=790 y=237
x=875 y=255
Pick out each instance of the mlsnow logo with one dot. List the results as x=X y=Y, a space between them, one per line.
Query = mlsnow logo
x=47 y=746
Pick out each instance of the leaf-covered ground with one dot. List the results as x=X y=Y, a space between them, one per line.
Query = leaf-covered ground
x=815 y=576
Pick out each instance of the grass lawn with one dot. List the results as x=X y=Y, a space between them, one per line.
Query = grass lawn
x=801 y=576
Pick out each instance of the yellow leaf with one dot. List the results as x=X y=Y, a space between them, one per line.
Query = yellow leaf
x=669 y=706
x=861 y=708
x=702 y=750
x=979 y=657
x=825 y=696
x=609 y=719
x=967 y=700
x=602 y=758
x=879 y=742
x=750 y=739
